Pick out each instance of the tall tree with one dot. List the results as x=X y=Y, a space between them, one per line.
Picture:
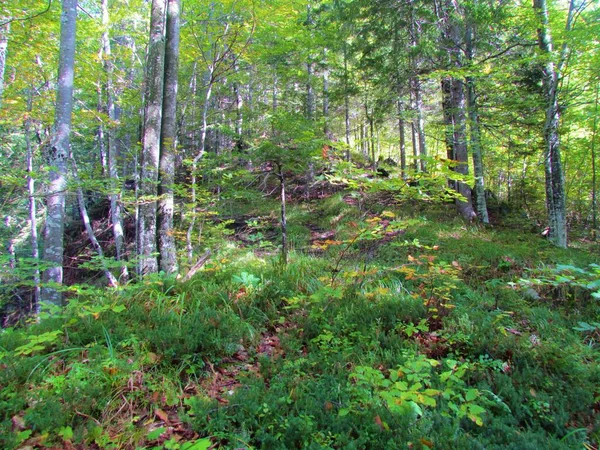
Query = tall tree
x=555 y=184
x=168 y=147
x=57 y=155
x=155 y=71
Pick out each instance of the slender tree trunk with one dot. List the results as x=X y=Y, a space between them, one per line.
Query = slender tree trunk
x=402 y=139
x=481 y=204
x=196 y=160
x=33 y=237
x=274 y=100
x=475 y=131
x=420 y=122
x=116 y=216
x=346 y=102
x=326 y=119
x=413 y=130
x=239 y=119
x=555 y=186
x=166 y=204
x=57 y=155
x=4 y=32
x=101 y=136
x=148 y=262
x=284 y=245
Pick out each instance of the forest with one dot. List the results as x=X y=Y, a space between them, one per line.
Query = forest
x=280 y=224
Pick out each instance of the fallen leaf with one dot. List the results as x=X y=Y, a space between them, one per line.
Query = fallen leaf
x=161 y=415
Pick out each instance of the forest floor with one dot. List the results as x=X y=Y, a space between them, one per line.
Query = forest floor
x=393 y=325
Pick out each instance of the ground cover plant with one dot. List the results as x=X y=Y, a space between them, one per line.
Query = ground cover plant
x=390 y=326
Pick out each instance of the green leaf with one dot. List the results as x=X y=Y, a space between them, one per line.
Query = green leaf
x=201 y=444
x=118 y=308
x=155 y=434
x=471 y=395
x=66 y=433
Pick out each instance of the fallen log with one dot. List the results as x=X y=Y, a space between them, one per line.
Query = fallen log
x=196 y=267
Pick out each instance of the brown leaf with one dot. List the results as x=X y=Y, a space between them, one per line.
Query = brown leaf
x=379 y=423
x=161 y=415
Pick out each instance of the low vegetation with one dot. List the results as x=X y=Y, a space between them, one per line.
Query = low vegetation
x=391 y=326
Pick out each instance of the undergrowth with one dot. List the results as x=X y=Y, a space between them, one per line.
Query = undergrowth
x=385 y=330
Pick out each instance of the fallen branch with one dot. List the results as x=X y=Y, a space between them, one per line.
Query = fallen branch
x=196 y=267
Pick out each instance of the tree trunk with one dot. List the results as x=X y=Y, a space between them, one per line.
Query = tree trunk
x=416 y=86
x=166 y=238
x=555 y=186
x=453 y=105
x=346 y=102
x=402 y=139
x=4 y=31
x=481 y=204
x=284 y=245
x=57 y=155
x=33 y=237
x=148 y=262
x=116 y=217
x=239 y=119
x=326 y=119
x=196 y=160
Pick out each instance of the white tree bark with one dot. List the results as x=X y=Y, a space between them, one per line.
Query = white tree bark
x=4 y=31
x=57 y=155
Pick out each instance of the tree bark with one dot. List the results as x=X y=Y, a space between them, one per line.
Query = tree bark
x=148 y=262
x=402 y=140
x=346 y=102
x=481 y=203
x=420 y=123
x=57 y=155
x=554 y=177
x=4 y=31
x=166 y=238
x=284 y=244
x=453 y=105
x=475 y=131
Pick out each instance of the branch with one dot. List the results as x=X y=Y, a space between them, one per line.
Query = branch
x=196 y=267
x=23 y=19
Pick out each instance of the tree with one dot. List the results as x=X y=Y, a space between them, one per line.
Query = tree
x=57 y=155
x=555 y=184
x=153 y=108
x=168 y=142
